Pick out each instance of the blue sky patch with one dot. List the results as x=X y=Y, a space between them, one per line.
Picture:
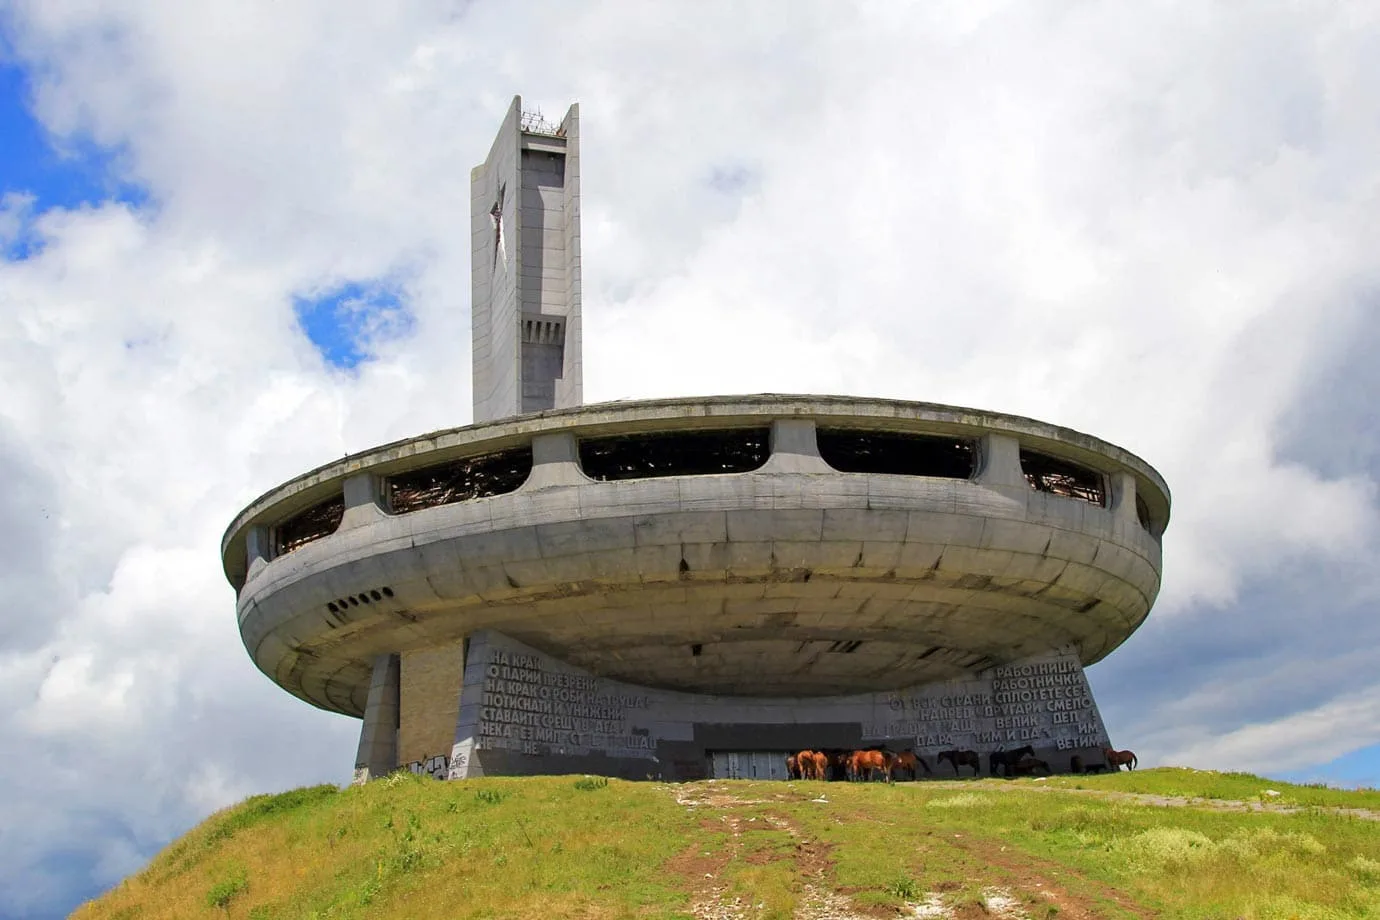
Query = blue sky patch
x=1359 y=768
x=347 y=322
x=55 y=172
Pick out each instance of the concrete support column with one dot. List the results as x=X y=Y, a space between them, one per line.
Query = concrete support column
x=258 y=550
x=363 y=501
x=1001 y=463
x=378 y=737
x=1123 y=499
x=794 y=448
x=555 y=462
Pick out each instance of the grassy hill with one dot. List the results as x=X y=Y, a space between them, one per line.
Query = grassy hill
x=1156 y=843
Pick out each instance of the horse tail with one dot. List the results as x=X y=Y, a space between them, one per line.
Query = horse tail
x=1134 y=762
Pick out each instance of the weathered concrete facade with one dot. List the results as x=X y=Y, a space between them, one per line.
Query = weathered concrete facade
x=525 y=712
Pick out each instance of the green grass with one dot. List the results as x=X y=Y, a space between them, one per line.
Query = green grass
x=1209 y=784
x=412 y=847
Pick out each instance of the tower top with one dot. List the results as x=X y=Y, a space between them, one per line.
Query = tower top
x=525 y=267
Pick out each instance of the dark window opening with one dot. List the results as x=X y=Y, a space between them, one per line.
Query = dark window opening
x=1060 y=477
x=679 y=453
x=896 y=453
x=459 y=480
x=312 y=524
x=1143 y=513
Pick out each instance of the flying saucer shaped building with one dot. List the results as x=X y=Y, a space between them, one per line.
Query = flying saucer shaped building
x=687 y=587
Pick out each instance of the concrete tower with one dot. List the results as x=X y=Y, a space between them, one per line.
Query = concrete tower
x=525 y=255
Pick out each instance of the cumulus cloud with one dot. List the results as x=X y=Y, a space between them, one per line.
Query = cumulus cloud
x=1146 y=224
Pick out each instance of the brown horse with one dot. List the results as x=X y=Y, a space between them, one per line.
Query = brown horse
x=867 y=764
x=1028 y=766
x=805 y=763
x=819 y=765
x=1003 y=760
x=961 y=759
x=906 y=760
x=793 y=766
x=1116 y=758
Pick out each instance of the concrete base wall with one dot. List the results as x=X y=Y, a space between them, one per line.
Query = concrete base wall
x=524 y=712
x=429 y=701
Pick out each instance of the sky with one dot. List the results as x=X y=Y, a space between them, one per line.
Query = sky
x=234 y=246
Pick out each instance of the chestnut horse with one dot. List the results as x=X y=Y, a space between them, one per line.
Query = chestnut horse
x=1116 y=758
x=961 y=759
x=820 y=765
x=805 y=763
x=792 y=766
x=868 y=763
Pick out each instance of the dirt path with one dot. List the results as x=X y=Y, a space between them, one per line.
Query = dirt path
x=1019 y=887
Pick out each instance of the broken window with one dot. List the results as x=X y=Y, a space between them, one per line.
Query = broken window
x=675 y=453
x=896 y=453
x=459 y=480
x=318 y=521
x=1062 y=477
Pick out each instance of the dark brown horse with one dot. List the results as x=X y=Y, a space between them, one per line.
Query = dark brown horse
x=1028 y=766
x=1116 y=758
x=793 y=766
x=961 y=759
x=1004 y=759
x=906 y=760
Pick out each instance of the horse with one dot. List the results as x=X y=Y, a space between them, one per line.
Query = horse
x=1027 y=766
x=805 y=763
x=1005 y=759
x=819 y=765
x=961 y=759
x=869 y=764
x=1116 y=758
x=906 y=760
x=793 y=766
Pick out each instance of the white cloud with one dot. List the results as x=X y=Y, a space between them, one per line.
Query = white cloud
x=1147 y=225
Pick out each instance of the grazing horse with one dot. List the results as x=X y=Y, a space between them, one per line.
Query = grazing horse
x=1027 y=766
x=961 y=759
x=1005 y=759
x=1116 y=758
x=793 y=766
x=906 y=760
x=867 y=764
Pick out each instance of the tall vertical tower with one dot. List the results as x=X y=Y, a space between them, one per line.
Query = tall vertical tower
x=525 y=274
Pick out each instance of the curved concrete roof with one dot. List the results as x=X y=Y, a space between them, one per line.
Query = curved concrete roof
x=628 y=416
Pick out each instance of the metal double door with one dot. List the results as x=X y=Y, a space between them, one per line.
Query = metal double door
x=747 y=765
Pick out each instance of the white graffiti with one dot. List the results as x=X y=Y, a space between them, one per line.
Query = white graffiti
x=437 y=767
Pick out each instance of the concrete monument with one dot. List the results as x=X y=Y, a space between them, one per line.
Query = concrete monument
x=687 y=587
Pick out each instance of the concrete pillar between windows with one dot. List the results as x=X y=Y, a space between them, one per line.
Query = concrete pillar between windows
x=555 y=462
x=1001 y=463
x=1123 y=499
x=258 y=550
x=378 y=737
x=363 y=501
x=795 y=448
